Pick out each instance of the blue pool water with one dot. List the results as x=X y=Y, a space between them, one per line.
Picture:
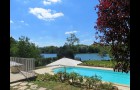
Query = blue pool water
x=106 y=75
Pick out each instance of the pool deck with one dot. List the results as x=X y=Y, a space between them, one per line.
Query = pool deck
x=20 y=76
x=49 y=70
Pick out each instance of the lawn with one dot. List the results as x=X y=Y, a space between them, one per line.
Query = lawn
x=97 y=63
x=53 y=85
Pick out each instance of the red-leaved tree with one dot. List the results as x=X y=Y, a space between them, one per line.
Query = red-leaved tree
x=113 y=28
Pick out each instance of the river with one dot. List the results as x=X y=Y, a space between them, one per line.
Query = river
x=83 y=57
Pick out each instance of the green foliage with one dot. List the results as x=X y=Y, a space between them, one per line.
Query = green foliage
x=27 y=49
x=70 y=51
x=40 y=77
x=47 y=77
x=53 y=85
x=23 y=48
x=113 y=27
x=80 y=78
x=93 y=82
x=61 y=76
x=44 y=61
x=102 y=49
x=13 y=47
x=73 y=76
x=105 y=86
x=72 y=39
x=65 y=51
x=49 y=49
x=13 y=50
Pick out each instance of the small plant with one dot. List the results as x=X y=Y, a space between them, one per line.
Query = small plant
x=61 y=76
x=93 y=82
x=54 y=77
x=44 y=77
x=88 y=82
x=73 y=76
x=105 y=86
x=40 y=77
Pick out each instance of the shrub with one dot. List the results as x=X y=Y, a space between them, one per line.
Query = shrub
x=105 y=86
x=97 y=63
x=93 y=82
x=44 y=77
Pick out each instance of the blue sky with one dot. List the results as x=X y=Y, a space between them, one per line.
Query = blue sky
x=49 y=22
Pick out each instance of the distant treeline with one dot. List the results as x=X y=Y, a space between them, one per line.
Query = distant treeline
x=26 y=49
x=80 y=48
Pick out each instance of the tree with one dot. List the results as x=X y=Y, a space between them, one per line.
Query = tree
x=113 y=23
x=72 y=39
x=13 y=47
x=102 y=50
x=27 y=49
x=68 y=50
x=65 y=51
x=49 y=49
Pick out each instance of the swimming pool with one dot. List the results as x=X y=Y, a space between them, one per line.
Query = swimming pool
x=107 y=75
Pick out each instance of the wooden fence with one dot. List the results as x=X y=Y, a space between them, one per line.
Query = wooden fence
x=24 y=66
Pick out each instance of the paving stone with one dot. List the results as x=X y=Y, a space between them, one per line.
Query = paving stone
x=30 y=83
x=23 y=88
x=41 y=88
x=14 y=84
x=16 y=87
x=33 y=86
x=24 y=83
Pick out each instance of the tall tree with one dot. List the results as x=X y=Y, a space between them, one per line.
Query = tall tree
x=13 y=47
x=72 y=39
x=113 y=23
x=27 y=49
x=68 y=50
x=65 y=51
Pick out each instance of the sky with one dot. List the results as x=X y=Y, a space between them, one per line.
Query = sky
x=50 y=22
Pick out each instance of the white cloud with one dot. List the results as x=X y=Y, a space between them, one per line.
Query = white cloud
x=26 y=24
x=49 y=2
x=70 y=32
x=86 y=40
x=11 y=21
x=22 y=21
x=45 y=14
x=54 y=1
x=46 y=3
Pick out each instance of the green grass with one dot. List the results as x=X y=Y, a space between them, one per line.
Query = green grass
x=97 y=63
x=53 y=85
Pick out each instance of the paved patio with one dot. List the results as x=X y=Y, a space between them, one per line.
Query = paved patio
x=26 y=86
x=19 y=76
